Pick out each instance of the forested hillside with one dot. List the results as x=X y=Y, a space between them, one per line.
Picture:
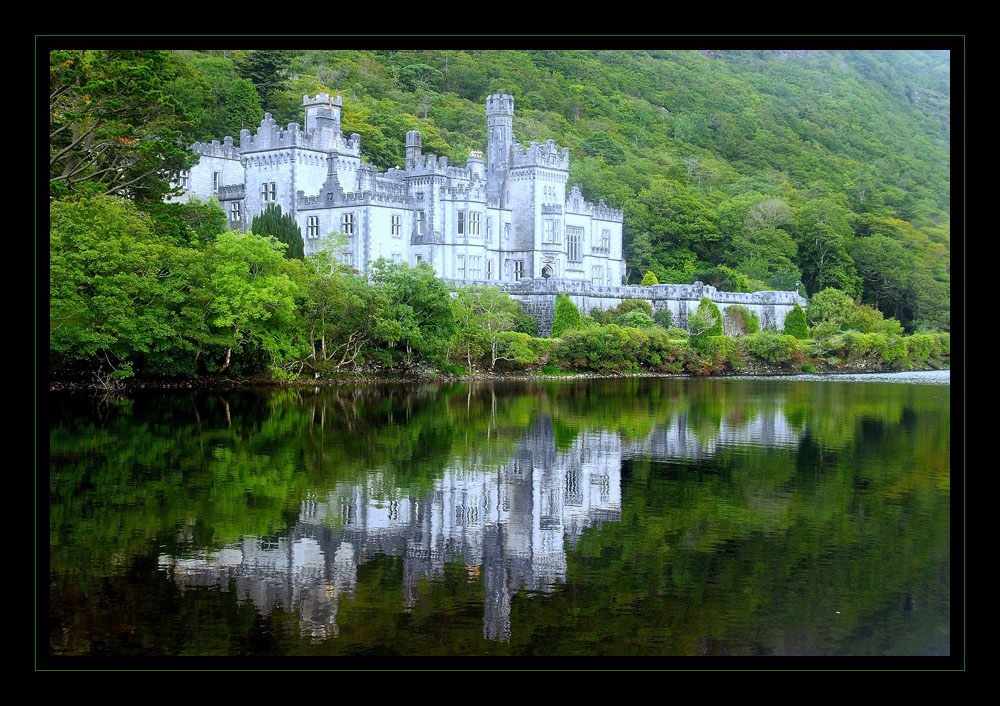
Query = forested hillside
x=744 y=169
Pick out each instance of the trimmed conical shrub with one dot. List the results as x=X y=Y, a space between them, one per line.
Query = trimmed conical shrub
x=567 y=316
x=795 y=323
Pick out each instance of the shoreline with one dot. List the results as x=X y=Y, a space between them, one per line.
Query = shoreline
x=267 y=383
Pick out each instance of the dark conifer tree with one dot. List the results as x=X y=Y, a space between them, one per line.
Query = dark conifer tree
x=281 y=226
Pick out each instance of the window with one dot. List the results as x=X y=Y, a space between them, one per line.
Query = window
x=597 y=275
x=397 y=258
x=547 y=231
x=421 y=222
x=216 y=177
x=506 y=230
x=313 y=229
x=347 y=223
x=489 y=269
x=475 y=268
x=419 y=259
x=269 y=191
x=234 y=211
x=346 y=258
x=184 y=179
x=397 y=226
x=574 y=238
x=518 y=270
x=460 y=267
x=489 y=229
x=606 y=240
x=474 y=223
x=461 y=223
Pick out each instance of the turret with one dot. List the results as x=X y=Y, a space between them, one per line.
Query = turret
x=499 y=139
x=322 y=106
x=499 y=130
x=475 y=164
x=413 y=148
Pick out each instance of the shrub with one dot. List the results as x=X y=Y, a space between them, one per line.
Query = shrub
x=649 y=279
x=724 y=352
x=635 y=305
x=663 y=318
x=830 y=305
x=795 y=323
x=705 y=322
x=677 y=333
x=775 y=348
x=865 y=319
x=635 y=319
x=736 y=320
x=567 y=316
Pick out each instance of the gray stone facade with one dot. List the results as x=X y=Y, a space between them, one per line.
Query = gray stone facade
x=506 y=218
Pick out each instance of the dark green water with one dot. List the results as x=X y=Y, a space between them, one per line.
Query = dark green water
x=612 y=517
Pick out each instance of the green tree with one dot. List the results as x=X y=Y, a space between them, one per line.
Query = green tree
x=566 y=318
x=267 y=69
x=705 y=322
x=242 y=109
x=113 y=286
x=832 y=307
x=249 y=291
x=271 y=222
x=113 y=130
x=795 y=323
x=420 y=304
x=600 y=144
x=663 y=318
x=347 y=319
x=649 y=279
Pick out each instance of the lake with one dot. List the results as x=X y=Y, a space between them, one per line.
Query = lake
x=644 y=516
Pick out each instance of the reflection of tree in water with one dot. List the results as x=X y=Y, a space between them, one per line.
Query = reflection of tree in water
x=779 y=477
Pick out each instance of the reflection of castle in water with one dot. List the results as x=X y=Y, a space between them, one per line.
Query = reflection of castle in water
x=508 y=522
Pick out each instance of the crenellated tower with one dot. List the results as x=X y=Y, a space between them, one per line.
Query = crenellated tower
x=499 y=140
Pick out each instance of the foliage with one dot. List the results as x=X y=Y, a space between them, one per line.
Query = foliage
x=346 y=319
x=830 y=306
x=113 y=287
x=113 y=130
x=663 y=318
x=282 y=227
x=649 y=279
x=795 y=322
x=420 y=304
x=724 y=353
x=773 y=347
x=267 y=70
x=566 y=318
x=705 y=322
x=635 y=319
x=737 y=321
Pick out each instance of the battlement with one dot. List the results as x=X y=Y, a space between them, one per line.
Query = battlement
x=324 y=137
x=540 y=155
x=321 y=99
x=224 y=150
x=428 y=164
x=575 y=203
x=500 y=104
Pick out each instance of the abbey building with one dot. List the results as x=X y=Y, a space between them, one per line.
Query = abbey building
x=502 y=219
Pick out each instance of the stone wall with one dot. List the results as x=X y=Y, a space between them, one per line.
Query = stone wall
x=539 y=295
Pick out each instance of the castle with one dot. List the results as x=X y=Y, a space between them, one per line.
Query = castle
x=506 y=220
x=500 y=220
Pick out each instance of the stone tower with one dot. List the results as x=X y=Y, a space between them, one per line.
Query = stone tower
x=413 y=149
x=499 y=140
